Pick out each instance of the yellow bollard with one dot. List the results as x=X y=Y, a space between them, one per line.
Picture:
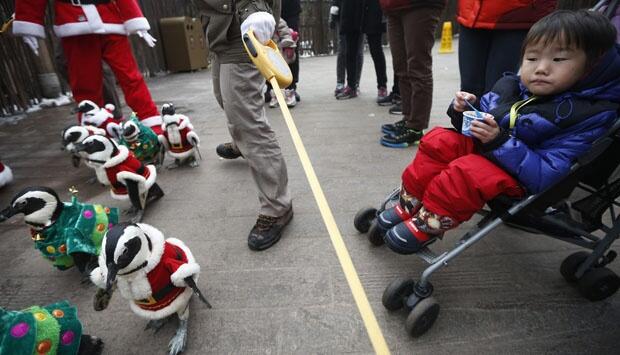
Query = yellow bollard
x=446 y=38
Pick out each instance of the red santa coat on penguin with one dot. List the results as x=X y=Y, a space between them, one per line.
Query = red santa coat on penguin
x=158 y=289
x=178 y=137
x=125 y=166
x=92 y=31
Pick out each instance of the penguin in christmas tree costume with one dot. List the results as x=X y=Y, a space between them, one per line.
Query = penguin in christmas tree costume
x=156 y=275
x=128 y=178
x=89 y=114
x=179 y=137
x=6 y=175
x=66 y=234
x=141 y=141
x=53 y=329
x=76 y=134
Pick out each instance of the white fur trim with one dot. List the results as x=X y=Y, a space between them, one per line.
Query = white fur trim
x=93 y=18
x=98 y=276
x=6 y=176
x=191 y=135
x=83 y=28
x=122 y=155
x=152 y=121
x=152 y=176
x=178 y=305
x=21 y=28
x=190 y=259
x=183 y=155
x=123 y=176
x=184 y=122
x=120 y=197
x=136 y=24
x=95 y=130
x=101 y=175
x=182 y=272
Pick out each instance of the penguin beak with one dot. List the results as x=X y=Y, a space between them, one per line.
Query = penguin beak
x=8 y=213
x=112 y=271
x=78 y=147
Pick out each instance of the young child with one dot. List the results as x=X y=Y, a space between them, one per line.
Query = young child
x=566 y=97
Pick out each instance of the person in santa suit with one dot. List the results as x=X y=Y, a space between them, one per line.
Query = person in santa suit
x=92 y=31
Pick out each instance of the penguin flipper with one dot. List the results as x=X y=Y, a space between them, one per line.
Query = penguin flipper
x=192 y=284
x=134 y=194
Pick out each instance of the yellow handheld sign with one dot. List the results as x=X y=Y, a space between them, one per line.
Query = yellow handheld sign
x=268 y=59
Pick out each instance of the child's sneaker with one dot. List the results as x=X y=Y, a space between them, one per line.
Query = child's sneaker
x=393 y=128
x=347 y=93
x=408 y=238
x=289 y=97
x=396 y=109
x=391 y=217
x=273 y=103
x=386 y=100
x=382 y=94
x=402 y=138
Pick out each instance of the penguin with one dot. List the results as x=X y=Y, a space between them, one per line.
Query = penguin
x=90 y=114
x=179 y=138
x=51 y=329
x=66 y=234
x=6 y=175
x=157 y=276
x=73 y=135
x=142 y=141
x=127 y=177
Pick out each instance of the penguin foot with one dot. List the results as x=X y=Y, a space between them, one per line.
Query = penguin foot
x=90 y=345
x=93 y=180
x=193 y=162
x=102 y=300
x=156 y=324
x=176 y=164
x=178 y=342
x=137 y=217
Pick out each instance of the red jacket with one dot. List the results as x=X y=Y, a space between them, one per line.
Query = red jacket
x=163 y=290
x=502 y=14
x=125 y=166
x=115 y=17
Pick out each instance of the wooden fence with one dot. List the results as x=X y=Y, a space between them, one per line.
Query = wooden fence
x=19 y=68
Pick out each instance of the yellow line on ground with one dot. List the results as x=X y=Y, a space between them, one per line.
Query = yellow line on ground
x=372 y=327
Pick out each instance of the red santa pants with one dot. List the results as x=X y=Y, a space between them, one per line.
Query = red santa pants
x=451 y=179
x=84 y=55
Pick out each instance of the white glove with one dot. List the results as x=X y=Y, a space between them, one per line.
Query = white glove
x=334 y=10
x=263 y=25
x=146 y=36
x=33 y=43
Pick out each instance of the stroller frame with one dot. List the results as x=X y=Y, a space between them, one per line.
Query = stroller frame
x=547 y=212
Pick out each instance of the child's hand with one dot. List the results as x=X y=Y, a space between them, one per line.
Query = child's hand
x=484 y=130
x=459 y=103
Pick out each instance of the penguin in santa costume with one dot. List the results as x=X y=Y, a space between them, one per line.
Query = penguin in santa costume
x=92 y=31
x=66 y=234
x=89 y=114
x=156 y=275
x=141 y=141
x=52 y=329
x=127 y=177
x=76 y=134
x=6 y=175
x=179 y=137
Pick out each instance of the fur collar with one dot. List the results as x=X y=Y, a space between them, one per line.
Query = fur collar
x=122 y=155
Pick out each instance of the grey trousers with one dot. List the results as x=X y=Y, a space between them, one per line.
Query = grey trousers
x=238 y=90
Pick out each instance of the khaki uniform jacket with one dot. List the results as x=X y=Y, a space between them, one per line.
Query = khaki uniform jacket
x=224 y=18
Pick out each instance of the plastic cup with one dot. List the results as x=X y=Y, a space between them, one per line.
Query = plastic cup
x=468 y=117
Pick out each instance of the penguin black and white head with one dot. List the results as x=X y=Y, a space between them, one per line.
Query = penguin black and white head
x=130 y=131
x=98 y=149
x=169 y=116
x=72 y=135
x=40 y=206
x=92 y=114
x=126 y=248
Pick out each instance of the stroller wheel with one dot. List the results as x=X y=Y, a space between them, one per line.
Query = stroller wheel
x=363 y=219
x=374 y=235
x=598 y=284
x=571 y=264
x=396 y=293
x=422 y=317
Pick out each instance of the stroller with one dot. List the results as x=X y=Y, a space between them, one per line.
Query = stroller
x=555 y=212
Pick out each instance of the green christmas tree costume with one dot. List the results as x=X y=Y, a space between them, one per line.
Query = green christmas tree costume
x=53 y=329
x=146 y=146
x=79 y=228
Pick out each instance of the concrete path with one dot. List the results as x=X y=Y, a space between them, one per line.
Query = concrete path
x=504 y=295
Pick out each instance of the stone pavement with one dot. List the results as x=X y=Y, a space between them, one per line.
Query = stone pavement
x=504 y=295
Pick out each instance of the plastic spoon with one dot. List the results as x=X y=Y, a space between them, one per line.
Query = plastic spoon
x=478 y=114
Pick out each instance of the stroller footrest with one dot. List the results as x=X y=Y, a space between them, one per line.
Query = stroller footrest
x=593 y=206
x=428 y=255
